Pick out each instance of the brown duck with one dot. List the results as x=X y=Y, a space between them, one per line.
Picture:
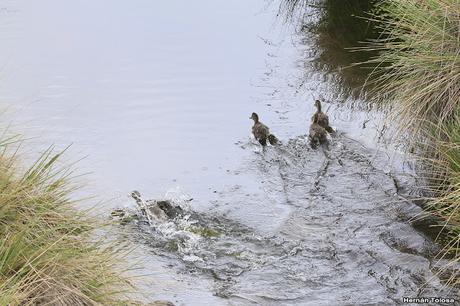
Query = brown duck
x=321 y=118
x=318 y=134
x=261 y=132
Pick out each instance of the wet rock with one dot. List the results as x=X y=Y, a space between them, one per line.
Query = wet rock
x=161 y=303
x=117 y=213
x=128 y=219
x=123 y=216
x=154 y=303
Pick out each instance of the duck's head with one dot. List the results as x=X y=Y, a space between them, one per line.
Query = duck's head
x=318 y=105
x=254 y=117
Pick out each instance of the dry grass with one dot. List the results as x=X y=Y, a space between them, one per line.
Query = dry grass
x=418 y=66
x=46 y=257
x=440 y=168
x=418 y=77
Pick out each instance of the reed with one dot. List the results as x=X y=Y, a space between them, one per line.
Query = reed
x=440 y=168
x=418 y=67
x=417 y=78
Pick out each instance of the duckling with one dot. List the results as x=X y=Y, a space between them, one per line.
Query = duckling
x=262 y=132
x=321 y=118
x=318 y=134
x=272 y=139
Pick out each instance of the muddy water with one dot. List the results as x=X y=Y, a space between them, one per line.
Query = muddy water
x=157 y=95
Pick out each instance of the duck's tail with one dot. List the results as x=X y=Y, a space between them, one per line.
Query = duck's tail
x=330 y=130
x=263 y=141
x=272 y=139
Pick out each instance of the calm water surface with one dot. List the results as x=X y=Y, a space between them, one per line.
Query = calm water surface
x=157 y=95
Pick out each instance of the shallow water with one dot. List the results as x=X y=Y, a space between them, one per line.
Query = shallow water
x=158 y=96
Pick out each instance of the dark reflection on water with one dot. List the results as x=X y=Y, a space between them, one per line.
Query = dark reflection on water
x=338 y=28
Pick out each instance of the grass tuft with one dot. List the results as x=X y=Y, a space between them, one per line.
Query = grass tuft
x=418 y=79
x=48 y=254
x=440 y=168
x=418 y=65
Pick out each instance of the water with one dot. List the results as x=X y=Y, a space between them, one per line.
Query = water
x=158 y=96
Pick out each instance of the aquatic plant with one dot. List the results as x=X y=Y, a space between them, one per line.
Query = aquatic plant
x=48 y=254
x=203 y=231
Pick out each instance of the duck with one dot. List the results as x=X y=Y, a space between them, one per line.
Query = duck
x=321 y=118
x=318 y=134
x=261 y=132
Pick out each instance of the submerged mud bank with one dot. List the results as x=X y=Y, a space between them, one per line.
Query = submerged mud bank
x=346 y=239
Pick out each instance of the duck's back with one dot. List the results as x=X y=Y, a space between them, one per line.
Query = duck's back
x=260 y=130
x=323 y=120
x=317 y=133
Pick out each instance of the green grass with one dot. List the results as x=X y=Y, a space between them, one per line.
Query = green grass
x=440 y=168
x=48 y=254
x=419 y=67
x=418 y=79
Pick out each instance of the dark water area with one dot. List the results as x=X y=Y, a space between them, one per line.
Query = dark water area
x=341 y=29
